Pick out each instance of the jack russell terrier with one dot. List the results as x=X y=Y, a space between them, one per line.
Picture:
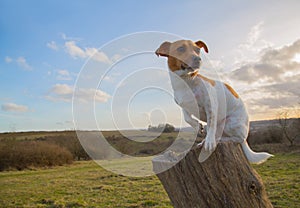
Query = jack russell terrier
x=218 y=104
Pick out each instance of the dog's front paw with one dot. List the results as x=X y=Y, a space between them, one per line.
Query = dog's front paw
x=210 y=144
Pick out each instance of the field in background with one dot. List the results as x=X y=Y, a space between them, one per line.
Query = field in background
x=82 y=183
x=32 y=135
x=85 y=184
x=40 y=149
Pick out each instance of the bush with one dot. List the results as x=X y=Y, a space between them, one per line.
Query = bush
x=71 y=143
x=26 y=154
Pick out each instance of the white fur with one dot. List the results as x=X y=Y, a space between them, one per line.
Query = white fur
x=226 y=115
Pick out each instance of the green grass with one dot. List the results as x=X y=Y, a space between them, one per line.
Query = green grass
x=85 y=184
x=281 y=176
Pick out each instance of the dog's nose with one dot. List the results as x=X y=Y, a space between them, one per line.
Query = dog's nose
x=196 y=58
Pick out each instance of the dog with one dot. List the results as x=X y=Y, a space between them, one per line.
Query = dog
x=218 y=104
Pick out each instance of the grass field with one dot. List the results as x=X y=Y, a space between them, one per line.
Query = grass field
x=85 y=184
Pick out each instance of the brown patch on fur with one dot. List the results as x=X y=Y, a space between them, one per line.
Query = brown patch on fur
x=232 y=90
x=212 y=82
x=174 y=64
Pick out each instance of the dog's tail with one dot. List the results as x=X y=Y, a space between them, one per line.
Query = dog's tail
x=255 y=157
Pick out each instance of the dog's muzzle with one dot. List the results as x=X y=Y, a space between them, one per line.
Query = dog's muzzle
x=191 y=68
x=195 y=64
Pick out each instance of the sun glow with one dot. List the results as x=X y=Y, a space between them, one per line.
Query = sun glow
x=296 y=58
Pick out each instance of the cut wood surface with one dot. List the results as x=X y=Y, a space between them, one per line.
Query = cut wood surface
x=225 y=179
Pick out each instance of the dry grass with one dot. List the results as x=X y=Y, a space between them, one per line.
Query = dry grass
x=27 y=154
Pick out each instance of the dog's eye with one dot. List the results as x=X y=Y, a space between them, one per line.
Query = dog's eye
x=197 y=50
x=181 y=49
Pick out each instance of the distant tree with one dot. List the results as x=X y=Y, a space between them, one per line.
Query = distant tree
x=151 y=128
x=167 y=128
x=275 y=134
x=290 y=127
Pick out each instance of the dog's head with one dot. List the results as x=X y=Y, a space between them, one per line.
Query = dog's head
x=183 y=55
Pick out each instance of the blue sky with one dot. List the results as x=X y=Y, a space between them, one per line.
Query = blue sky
x=45 y=44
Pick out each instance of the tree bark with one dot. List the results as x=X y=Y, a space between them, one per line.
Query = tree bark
x=225 y=180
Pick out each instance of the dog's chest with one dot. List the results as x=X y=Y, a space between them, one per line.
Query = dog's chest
x=199 y=94
x=192 y=99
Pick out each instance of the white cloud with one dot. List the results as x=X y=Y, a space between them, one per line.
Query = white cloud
x=12 y=107
x=69 y=122
x=63 y=75
x=76 y=52
x=8 y=59
x=111 y=77
x=253 y=37
x=296 y=58
x=63 y=72
x=62 y=89
x=52 y=45
x=64 y=92
x=65 y=37
x=91 y=94
x=23 y=63
x=116 y=58
x=272 y=65
x=271 y=82
x=73 y=50
x=60 y=92
x=97 y=55
x=253 y=44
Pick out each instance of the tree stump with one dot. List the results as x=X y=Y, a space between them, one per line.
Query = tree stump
x=225 y=179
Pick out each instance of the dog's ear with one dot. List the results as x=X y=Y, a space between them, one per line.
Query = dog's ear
x=163 y=49
x=201 y=44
